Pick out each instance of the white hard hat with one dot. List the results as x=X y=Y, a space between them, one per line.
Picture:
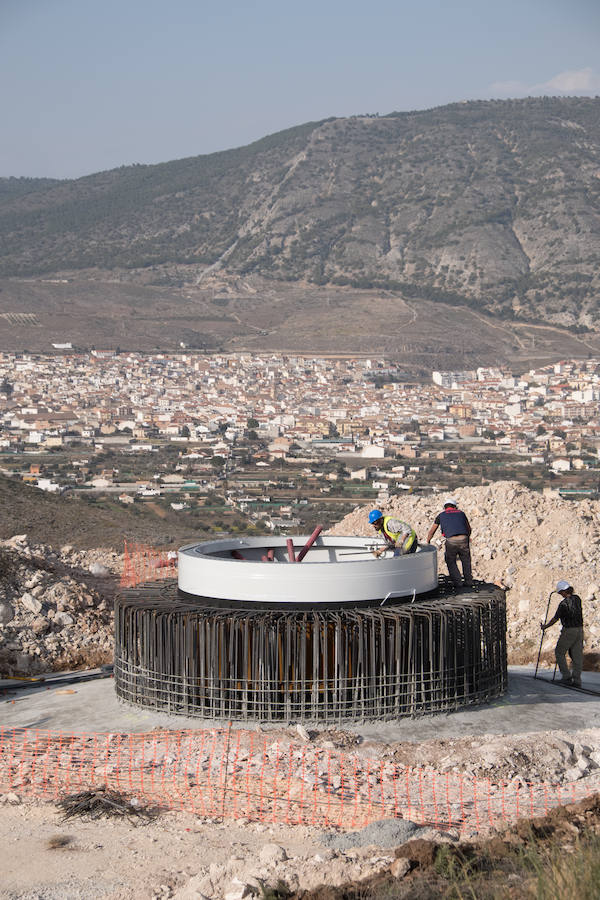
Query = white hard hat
x=450 y=501
x=563 y=586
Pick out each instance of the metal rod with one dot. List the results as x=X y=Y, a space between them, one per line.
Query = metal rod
x=542 y=637
x=358 y=550
x=309 y=543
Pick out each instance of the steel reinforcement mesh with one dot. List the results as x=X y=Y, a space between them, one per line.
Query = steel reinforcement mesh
x=318 y=665
x=226 y=774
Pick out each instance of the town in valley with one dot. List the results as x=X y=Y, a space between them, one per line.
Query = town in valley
x=256 y=443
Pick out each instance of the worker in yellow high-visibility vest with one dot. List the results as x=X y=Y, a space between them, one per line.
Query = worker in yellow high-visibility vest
x=398 y=535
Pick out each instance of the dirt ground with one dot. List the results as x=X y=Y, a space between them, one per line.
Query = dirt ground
x=178 y=855
x=532 y=858
x=115 y=859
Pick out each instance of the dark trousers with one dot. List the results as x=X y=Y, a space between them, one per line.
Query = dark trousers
x=457 y=547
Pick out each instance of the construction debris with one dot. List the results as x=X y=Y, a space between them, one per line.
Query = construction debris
x=102 y=802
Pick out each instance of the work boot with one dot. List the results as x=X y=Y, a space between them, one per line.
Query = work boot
x=568 y=680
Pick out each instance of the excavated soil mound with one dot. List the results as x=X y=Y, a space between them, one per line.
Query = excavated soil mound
x=522 y=540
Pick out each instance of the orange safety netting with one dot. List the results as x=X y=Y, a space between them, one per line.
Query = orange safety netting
x=142 y=563
x=227 y=774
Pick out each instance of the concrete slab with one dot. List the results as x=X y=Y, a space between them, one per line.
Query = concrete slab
x=529 y=705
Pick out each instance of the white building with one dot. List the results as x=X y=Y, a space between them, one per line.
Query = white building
x=372 y=451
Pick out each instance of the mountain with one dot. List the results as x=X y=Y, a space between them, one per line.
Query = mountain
x=490 y=204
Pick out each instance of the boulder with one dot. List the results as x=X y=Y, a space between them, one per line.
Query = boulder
x=7 y=612
x=272 y=853
x=32 y=604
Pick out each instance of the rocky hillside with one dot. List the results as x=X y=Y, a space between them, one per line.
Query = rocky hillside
x=56 y=606
x=492 y=204
x=523 y=540
x=82 y=522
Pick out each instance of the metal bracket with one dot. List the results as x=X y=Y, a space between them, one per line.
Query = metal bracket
x=398 y=594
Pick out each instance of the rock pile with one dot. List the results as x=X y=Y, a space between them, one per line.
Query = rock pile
x=522 y=539
x=556 y=757
x=55 y=606
x=244 y=877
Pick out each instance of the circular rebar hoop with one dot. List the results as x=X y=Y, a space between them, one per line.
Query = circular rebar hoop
x=433 y=655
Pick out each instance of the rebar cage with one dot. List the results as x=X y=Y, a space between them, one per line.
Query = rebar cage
x=429 y=656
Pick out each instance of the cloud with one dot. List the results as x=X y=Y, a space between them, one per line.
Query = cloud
x=582 y=80
x=575 y=81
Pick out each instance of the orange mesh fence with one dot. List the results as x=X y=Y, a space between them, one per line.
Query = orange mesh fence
x=224 y=774
x=142 y=563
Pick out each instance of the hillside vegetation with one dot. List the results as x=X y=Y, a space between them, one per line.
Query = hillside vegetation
x=494 y=204
x=83 y=523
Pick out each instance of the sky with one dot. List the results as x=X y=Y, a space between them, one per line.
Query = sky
x=89 y=85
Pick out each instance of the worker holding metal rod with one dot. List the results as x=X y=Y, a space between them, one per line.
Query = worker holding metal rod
x=571 y=637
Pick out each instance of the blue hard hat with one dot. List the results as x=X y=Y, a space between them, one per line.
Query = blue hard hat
x=375 y=515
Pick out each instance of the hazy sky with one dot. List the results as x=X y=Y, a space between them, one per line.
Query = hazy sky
x=87 y=85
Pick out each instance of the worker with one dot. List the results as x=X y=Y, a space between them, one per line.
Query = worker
x=457 y=533
x=398 y=535
x=571 y=637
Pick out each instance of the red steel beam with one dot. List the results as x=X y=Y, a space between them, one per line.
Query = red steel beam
x=309 y=543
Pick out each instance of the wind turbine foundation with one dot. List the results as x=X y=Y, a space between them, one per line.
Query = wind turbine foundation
x=226 y=657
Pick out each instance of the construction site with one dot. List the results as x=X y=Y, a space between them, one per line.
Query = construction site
x=369 y=705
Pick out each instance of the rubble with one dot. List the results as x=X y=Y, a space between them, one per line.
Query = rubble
x=55 y=607
x=522 y=540
x=245 y=877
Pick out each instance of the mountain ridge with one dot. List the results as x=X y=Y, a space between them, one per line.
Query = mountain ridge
x=490 y=204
